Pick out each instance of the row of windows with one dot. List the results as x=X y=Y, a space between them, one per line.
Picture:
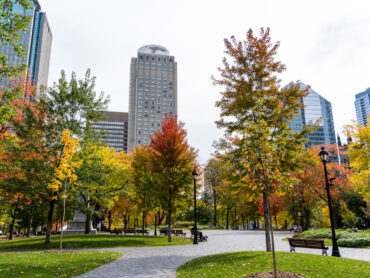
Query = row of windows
x=111 y=123
x=112 y=140
x=147 y=58
x=106 y=127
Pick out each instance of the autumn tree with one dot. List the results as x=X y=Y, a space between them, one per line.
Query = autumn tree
x=102 y=175
x=11 y=26
x=256 y=109
x=71 y=105
x=359 y=156
x=213 y=178
x=64 y=174
x=143 y=180
x=173 y=163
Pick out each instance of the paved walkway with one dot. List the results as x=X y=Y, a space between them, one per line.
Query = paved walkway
x=145 y=262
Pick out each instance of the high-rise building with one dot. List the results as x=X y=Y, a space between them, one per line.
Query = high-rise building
x=37 y=44
x=362 y=104
x=153 y=92
x=316 y=110
x=114 y=129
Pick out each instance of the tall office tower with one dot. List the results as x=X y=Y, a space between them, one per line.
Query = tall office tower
x=153 y=92
x=316 y=107
x=114 y=129
x=37 y=44
x=362 y=104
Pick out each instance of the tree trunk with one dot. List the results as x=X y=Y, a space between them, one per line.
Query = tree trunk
x=169 y=215
x=214 y=208
x=272 y=237
x=63 y=215
x=169 y=225
x=155 y=223
x=88 y=224
x=143 y=222
x=49 y=225
x=29 y=225
x=109 y=220
x=11 y=226
x=227 y=218
x=266 y=217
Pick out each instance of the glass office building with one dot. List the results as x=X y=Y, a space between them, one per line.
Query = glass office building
x=153 y=93
x=362 y=104
x=37 y=44
x=316 y=110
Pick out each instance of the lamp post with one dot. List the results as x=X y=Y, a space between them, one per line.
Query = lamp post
x=324 y=155
x=195 y=174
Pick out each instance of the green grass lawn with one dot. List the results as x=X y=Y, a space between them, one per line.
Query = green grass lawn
x=243 y=263
x=40 y=264
x=91 y=241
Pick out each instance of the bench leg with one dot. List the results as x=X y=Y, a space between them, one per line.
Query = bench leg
x=292 y=249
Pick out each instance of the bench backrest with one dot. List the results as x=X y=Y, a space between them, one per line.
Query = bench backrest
x=309 y=243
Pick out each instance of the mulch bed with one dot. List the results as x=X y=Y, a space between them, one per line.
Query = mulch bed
x=270 y=274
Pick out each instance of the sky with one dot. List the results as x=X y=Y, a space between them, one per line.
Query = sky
x=324 y=44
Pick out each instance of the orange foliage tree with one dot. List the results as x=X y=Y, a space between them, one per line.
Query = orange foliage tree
x=173 y=163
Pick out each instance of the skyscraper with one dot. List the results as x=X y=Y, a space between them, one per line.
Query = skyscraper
x=315 y=108
x=115 y=129
x=37 y=44
x=362 y=104
x=153 y=92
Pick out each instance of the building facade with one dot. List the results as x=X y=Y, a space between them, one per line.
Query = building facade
x=114 y=130
x=317 y=110
x=37 y=44
x=362 y=105
x=153 y=93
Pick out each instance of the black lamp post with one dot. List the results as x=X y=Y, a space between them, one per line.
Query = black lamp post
x=324 y=155
x=195 y=174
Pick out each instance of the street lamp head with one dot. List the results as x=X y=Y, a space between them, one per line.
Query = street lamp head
x=195 y=174
x=324 y=155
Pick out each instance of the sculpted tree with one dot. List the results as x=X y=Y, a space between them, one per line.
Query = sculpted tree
x=173 y=163
x=257 y=110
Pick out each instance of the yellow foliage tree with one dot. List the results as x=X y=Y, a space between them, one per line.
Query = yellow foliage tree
x=65 y=172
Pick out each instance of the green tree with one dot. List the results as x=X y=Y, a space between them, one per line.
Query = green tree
x=173 y=163
x=103 y=175
x=256 y=109
x=71 y=105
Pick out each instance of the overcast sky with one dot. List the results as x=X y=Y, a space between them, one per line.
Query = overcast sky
x=325 y=44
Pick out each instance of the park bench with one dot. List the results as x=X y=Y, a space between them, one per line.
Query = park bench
x=128 y=231
x=116 y=231
x=308 y=243
x=142 y=232
x=178 y=233
x=162 y=232
x=200 y=235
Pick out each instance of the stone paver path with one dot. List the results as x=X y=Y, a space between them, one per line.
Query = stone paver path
x=145 y=262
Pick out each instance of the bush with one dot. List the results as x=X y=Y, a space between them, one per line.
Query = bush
x=346 y=238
